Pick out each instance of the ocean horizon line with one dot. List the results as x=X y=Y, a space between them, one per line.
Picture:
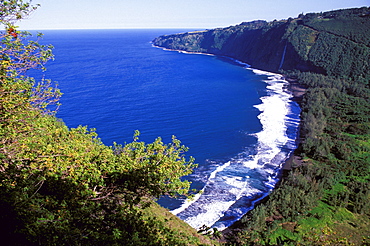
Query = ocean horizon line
x=118 y=28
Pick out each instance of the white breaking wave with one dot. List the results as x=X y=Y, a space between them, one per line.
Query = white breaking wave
x=190 y=201
x=274 y=109
x=234 y=186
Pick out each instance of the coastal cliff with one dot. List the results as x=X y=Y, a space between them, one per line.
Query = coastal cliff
x=327 y=43
x=324 y=198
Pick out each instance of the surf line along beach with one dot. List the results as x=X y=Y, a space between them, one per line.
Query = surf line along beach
x=235 y=186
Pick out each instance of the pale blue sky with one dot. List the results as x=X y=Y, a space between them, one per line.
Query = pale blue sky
x=195 y=14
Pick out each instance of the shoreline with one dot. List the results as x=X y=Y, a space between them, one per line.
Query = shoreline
x=292 y=161
x=297 y=91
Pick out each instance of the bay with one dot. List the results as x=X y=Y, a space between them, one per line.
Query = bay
x=239 y=123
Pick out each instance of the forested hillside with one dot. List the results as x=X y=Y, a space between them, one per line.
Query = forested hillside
x=62 y=186
x=331 y=43
x=324 y=200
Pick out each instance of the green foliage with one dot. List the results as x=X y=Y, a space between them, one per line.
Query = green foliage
x=326 y=193
x=248 y=42
x=61 y=186
x=303 y=40
x=340 y=56
x=334 y=43
x=156 y=165
x=351 y=24
x=13 y=10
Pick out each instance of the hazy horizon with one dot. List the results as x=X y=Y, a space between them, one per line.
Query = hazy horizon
x=164 y=14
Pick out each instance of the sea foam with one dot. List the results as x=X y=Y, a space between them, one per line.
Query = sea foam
x=235 y=186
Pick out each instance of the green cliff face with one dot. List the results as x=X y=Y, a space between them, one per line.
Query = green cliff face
x=332 y=43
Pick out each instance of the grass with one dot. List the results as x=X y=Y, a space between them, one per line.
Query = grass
x=179 y=228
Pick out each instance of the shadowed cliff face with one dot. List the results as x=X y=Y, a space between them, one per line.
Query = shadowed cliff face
x=262 y=47
x=312 y=42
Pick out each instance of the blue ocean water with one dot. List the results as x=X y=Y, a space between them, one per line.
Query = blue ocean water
x=239 y=123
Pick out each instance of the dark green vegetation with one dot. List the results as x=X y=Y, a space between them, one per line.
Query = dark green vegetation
x=325 y=198
x=332 y=43
x=61 y=186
